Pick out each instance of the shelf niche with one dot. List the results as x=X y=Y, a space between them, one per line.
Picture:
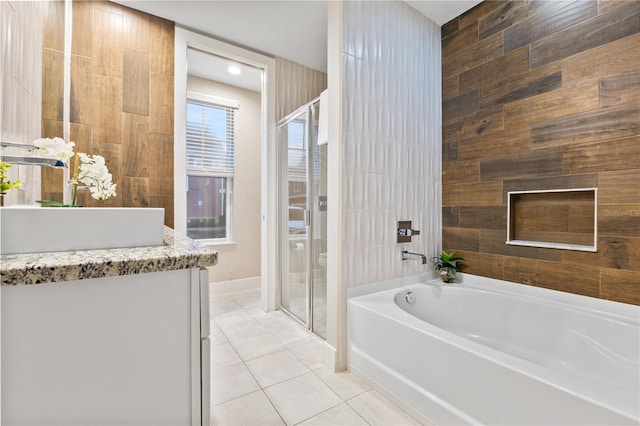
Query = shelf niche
x=564 y=219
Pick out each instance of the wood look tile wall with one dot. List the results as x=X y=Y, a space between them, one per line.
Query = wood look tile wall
x=121 y=100
x=544 y=95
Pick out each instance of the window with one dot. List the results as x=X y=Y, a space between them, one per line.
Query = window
x=210 y=166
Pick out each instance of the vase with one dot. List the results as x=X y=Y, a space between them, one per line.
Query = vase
x=447 y=275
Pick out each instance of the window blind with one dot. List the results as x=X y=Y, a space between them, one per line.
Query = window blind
x=210 y=138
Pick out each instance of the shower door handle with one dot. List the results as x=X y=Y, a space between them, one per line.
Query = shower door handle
x=307 y=217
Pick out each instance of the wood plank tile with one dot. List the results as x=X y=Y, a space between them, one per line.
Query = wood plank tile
x=165 y=202
x=473 y=15
x=485 y=265
x=603 y=29
x=589 y=180
x=107 y=41
x=602 y=156
x=508 y=14
x=605 y=6
x=162 y=35
x=472 y=194
x=553 y=275
x=460 y=239
x=135 y=145
x=135 y=81
x=619 y=187
x=511 y=140
x=135 y=192
x=51 y=179
x=522 y=86
x=82 y=40
x=550 y=105
x=52 y=85
x=517 y=166
x=450 y=151
x=457 y=107
x=495 y=71
x=449 y=87
x=461 y=171
x=53 y=28
x=82 y=136
x=484 y=217
x=107 y=106
x=592 y=126
x=613 y=252
x=551 y=18
x=619 y=57
x=138 y=27
x=619 y=220
x=481 y=52
x=481 y=123
x=493 y=242
x=620 y=89
x=449 y=27
x=161 y=105
x=621 y=286
x=81 y=99
x=161 y=165
x=112 y=153
x=459 y=40
x=451 y=216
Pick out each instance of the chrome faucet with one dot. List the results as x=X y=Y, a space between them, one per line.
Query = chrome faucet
x=407 y=255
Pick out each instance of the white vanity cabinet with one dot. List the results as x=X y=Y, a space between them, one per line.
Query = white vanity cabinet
x=120 y=350
x=130 y=347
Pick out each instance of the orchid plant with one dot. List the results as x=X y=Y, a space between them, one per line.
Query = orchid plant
x=6 y=185
x=90 y=170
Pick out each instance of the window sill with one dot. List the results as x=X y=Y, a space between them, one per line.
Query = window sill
x=217 y=243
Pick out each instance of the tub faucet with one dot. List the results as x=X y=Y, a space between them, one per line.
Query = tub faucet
x=407 y=255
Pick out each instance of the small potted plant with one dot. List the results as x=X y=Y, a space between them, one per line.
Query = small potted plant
x=446 y=265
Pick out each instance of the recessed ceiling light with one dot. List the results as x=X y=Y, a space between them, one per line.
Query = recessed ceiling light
x=234 y=70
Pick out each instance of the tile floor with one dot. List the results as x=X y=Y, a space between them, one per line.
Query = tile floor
x=267 y=370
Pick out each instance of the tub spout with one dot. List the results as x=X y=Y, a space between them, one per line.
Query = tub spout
x=407 y=255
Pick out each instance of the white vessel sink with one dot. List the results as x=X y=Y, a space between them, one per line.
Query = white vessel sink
x=35 y=230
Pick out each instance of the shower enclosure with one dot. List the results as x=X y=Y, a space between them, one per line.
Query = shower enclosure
x=303 y=219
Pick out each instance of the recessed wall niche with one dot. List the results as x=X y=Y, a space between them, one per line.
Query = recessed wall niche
x=560 y=218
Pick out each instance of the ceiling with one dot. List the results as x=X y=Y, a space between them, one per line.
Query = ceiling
x=295 y=30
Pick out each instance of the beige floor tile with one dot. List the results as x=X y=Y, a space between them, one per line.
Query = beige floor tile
x=277 y=321
x=242 y=330
x=346 y=385
x=231 y=382
x=235 y=316
x=255 y=347
x=301 y=398
x=310 y=353
x=275 y=368
x=294 y=337
x=377 y=410
x=217 y=336
x=223 y=355
x=253 y=409
x=342 y=415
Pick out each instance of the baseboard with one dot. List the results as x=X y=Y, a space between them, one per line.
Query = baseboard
x=241 y=284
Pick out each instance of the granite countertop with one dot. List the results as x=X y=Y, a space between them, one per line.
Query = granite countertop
x=178 y=252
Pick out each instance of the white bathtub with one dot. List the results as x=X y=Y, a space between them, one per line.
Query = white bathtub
x=493 y=352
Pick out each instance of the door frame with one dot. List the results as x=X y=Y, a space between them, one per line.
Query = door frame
x=185 y=39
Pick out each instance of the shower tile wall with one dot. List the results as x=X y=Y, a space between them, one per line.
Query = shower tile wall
x=392 y=134
x=20 y=43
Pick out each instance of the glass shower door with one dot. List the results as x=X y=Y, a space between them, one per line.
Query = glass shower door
x=303 y=239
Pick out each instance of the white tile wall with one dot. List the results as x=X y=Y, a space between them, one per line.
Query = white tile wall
x=392 y=138
x=21 y=99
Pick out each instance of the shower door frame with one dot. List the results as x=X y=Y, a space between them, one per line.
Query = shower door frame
x=283 y=215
